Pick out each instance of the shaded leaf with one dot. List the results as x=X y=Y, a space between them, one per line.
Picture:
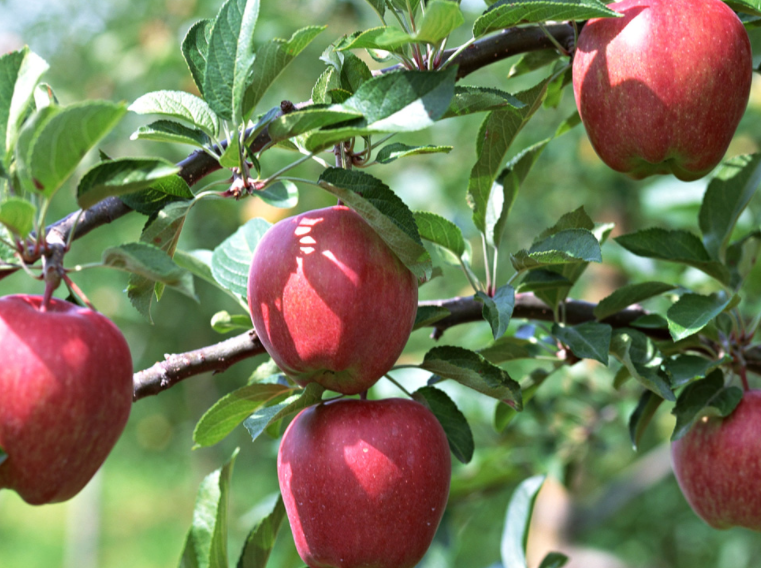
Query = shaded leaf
x=589 y=340
x=268 y=415
x=692 y=312
x=628 y=295
x=170 y=131
x=498 y=309
x=453 y=421
x=706 y=397
x=517 y=521
x=261 y=539
x=392 y=152
x=470 y=99
x=195 y=49
x=643 y=413
x=427 y=315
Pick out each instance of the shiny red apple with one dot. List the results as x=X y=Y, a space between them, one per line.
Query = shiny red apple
x=330 y=301
x=65 y=396
x=365 y=483
x=662 y=89
x=718 y=466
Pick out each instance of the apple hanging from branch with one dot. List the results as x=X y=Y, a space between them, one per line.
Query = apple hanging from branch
x=718 y=466
x=330 y=301
x=365 y=483
x=65 y=395
x=662 y=89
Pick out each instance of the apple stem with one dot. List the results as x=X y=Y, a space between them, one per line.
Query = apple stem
x=77 y=290
x=399 y=386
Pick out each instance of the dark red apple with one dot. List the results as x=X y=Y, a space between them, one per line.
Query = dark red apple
x=718 y=466
x=330 y=301
x=365 y=483
x=65 y=396
x=662 y=89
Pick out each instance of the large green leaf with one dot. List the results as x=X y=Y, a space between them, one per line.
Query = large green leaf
x=517 y=521
x=692 y=312
x=17 y=215
x=509 y=13
x=726 y=198
x=178 y=104
x=120 y=176
x=206 y=543
x=231 y=260
x=628 y=295
x=453 y=421
x=195 y=49
x=384 y=211
x=706 y=397
x=588 y=340
x=230 y=58
x=261 y=539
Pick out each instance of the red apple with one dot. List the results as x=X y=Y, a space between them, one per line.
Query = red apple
x=65 y=396
x=718 y=466
x=662 y=89
x=365 y=483
x=330 y=301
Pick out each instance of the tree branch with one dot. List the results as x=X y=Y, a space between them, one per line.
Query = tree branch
x=220 y=356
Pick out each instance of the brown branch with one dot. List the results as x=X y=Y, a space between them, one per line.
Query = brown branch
x=220 y=356
x=213 y=358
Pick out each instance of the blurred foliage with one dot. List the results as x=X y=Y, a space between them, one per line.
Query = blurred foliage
x=137 y=511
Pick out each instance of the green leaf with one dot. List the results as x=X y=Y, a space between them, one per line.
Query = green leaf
x=328 y=81
x=232 y=409
x=692 y=312
x=271 y=59
x=684 y=368
x=65 y=137
x=145 y=260
x=542 y=280
x=17 y=215
x=498 y=309
x=261 y=539
x=231 y=260
x=20 y=71
x=198 y=263
x=517 y=521
x=206 y=543
x=509 y=13
x=675 y=246
x=392 y=152
x=532 y=61
x=379 y=6
x=159 y=195
x=706 y=397
x=453 y=421
x=308 y=119
x=442 y=232
x=495 y=136
x=178 y=104
x=628 y=295
x=230 y=58
x=267 y=415
x=469 y=100
x=283 y=194
x=195 y=49
x=741 y=257
x=554 y=560
x=571 y=245
x=384 y=37
x=384 y=211
x=473 y=370
x=510 y=348
x=505 y=190
x=635 y=351
x=643 y=413
x=24 y=145
x=427 y=315
x=224 y=321
x=399 y=101
x=170 y=131
x=120 y=176
x=727 y=196
x=441 y=18
x=589 y=340
x=746 y=6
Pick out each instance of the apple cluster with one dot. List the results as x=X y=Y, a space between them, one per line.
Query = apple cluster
x=65 y=395
x=365 y=483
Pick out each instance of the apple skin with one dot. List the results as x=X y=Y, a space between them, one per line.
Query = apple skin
x=662 y=89
x=365 y=483
x=65 y=392
x=718 y=466
x=330 y=301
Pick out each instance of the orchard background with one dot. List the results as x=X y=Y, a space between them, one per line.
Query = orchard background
x=601 y=494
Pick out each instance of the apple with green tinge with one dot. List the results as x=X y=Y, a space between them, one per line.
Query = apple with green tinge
x=662 y=89
x=718 y=466
x=330 y=301
x=365 y=483
x=65 y=396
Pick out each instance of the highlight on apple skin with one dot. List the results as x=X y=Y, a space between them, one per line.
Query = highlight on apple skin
x=65 y=396
x=718 y=466
x=365 y=483
x=330 y=301
x=662 y=89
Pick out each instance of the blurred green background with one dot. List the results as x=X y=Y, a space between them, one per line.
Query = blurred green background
x=605 y=505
